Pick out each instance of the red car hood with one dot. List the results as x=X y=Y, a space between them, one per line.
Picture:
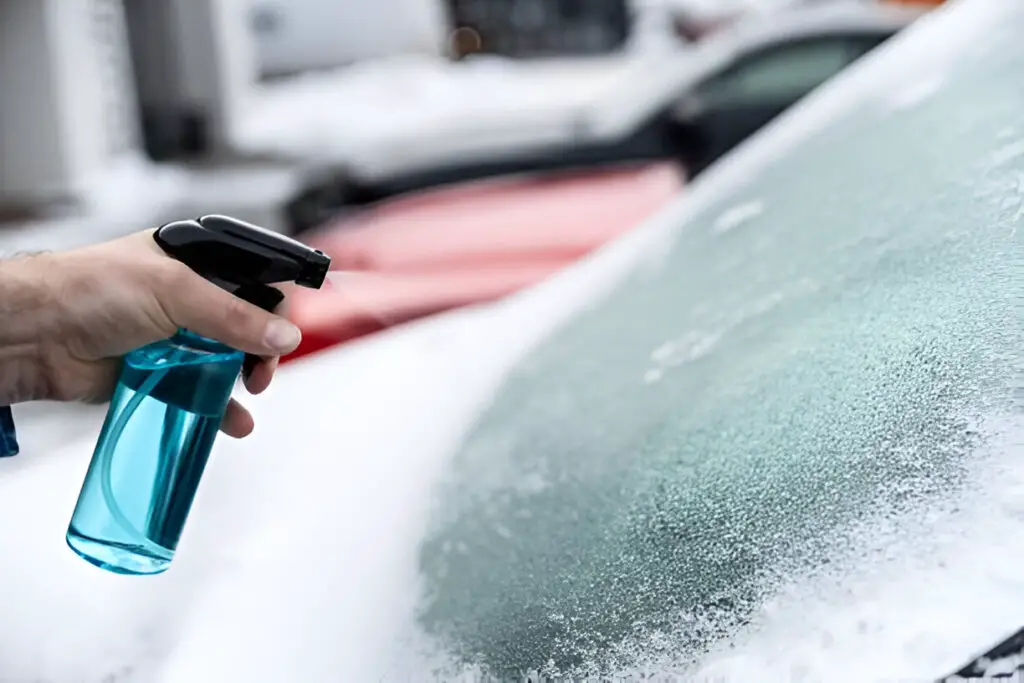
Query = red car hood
x=433 y=251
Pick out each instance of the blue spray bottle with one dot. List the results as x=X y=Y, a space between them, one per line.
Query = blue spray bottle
x=170 y=397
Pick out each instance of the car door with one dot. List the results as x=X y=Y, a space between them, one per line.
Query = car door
x=729 y=106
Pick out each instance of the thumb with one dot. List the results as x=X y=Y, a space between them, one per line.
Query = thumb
x=204 y=308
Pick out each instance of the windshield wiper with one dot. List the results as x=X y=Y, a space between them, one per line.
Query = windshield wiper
x=1005 y=661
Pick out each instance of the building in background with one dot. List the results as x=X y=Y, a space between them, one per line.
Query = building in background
x=202 y=66
x=91 y=87
x=68 y=117
x=106 y=104
x=195 y=72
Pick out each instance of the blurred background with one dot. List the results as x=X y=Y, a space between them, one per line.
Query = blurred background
x=443 y=152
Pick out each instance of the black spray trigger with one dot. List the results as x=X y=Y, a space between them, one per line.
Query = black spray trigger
x=244 y=259
x=266 y=297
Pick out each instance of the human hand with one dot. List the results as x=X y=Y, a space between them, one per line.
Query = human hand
x=68 y=318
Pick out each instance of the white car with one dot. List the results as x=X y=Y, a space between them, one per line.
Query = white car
x=390 y=129
x=772 y=435
x=294 y=35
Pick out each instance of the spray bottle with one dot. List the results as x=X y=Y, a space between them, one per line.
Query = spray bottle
x=170 y=398
x=8 y=435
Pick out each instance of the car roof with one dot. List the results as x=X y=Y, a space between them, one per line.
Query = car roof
x=630 y=101
x=807 y=19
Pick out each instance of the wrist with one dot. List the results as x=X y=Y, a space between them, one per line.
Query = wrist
x=25 y=322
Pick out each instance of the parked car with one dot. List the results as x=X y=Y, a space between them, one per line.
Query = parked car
x=784 y=443
x=772 y=434
x=470 y=243
x=693 y=106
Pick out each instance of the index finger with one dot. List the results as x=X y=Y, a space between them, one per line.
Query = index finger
x=192 y=302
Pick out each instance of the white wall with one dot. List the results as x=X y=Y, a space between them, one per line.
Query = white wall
x=203 y=56
x=218 y=68
x=64 y=111
x=32 y=156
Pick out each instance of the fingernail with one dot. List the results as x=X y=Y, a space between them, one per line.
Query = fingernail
x=282 y=336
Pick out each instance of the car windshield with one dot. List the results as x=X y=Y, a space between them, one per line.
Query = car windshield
x=825 y=346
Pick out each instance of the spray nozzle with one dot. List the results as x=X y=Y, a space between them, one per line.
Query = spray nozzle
x=243 y=258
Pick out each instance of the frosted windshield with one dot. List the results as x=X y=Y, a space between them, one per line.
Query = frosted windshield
x=819 y=349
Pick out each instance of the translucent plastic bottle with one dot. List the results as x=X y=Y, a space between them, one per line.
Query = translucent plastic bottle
x=164 y=415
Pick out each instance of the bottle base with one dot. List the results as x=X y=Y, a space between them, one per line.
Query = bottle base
x=117 y=559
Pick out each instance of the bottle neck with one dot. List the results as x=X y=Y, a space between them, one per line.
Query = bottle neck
x=191 y=340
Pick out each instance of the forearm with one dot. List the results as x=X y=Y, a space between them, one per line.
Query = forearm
x=24 y=312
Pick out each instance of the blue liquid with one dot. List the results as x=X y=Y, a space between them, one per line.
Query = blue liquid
x=162 y=422
x=8 y=435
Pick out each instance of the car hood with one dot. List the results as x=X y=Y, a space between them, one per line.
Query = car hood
x=538 y=217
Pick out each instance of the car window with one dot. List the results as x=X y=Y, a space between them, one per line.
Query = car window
x=862 y=44
x=514 y=28
x=817 y=348
x=780 y=73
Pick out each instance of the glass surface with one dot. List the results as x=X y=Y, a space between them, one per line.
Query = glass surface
x=162 y=422
x=821 y=345
x=781 y=74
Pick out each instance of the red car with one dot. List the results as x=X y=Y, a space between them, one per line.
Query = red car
x=428 y=252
